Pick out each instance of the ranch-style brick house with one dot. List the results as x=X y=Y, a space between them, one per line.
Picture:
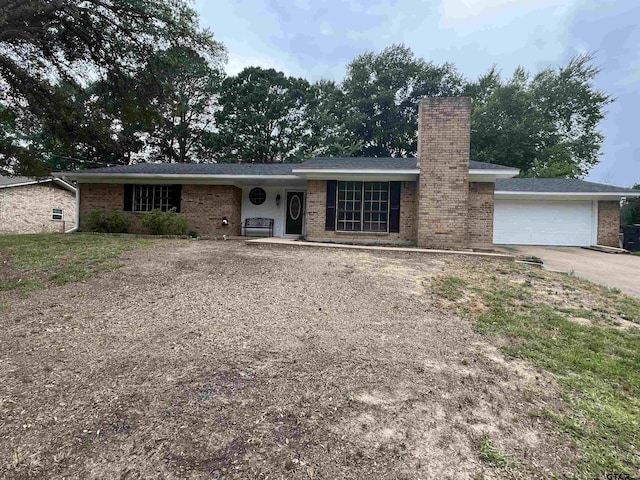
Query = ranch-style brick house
x=441 y=199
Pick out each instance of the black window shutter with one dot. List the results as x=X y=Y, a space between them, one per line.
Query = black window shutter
x=394 y=206
x=176 y=197
x=128 y=198
x=332 y=188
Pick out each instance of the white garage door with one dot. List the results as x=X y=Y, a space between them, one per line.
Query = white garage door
x=521 y=222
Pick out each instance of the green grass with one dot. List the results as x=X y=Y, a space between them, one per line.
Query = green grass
x=597 y=367
x=33 y=261
x=636 y=253
x=493 y=456
x=452 y=287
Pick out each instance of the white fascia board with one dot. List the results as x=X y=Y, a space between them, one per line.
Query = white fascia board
x=506 y=172
x=355 y=171
x=386 y=176
x=64 y=184
x=59 y=181
x=565 y=195
x=169 y=178
x=23 y=184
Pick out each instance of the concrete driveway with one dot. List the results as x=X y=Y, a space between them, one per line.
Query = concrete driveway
x=620 y=271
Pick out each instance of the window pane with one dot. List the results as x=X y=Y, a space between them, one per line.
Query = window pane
x=349 y=206
x=376 y=209
x=152 y=197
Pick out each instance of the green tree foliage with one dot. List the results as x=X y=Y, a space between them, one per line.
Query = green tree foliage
x=183 y=88
x=331 y=136
x=46 y=44
x=382 y=92
x=545 y=125
x=630 y=214
x=265 y=117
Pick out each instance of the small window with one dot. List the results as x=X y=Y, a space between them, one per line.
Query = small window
x=257 y=196
x=57 y=214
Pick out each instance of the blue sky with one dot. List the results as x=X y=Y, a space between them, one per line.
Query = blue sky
x=317 y=38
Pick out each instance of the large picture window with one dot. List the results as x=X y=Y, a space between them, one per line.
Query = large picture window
x=155 y=197
x=363 y=207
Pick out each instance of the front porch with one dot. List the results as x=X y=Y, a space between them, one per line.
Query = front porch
x=284 y=205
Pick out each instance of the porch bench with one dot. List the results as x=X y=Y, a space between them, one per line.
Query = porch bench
x=258 y=223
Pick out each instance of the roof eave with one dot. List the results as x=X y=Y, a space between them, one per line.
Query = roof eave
x=525 y=195
x=86 y=177
x=58 y=181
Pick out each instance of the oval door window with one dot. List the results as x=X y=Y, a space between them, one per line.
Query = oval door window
x=295 y=207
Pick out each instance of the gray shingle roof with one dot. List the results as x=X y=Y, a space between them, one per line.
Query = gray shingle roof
x=359 y=162
x=265 y=169
x=556 y=185
x=380 y=163
x=195 y=169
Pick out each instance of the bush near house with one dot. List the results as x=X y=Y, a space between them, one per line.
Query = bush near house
x=158 y=222
x=115 y=222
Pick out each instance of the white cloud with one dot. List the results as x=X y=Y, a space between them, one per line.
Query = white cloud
x=238 y=62
x=454 y=12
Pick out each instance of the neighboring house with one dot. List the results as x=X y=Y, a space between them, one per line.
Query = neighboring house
x=29 y=205
x=441 y=199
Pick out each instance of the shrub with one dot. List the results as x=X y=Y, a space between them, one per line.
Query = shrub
x=118 y=222
x=115 y=222
x=158 y=222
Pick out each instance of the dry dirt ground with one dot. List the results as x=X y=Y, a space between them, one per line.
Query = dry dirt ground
x=221 y=360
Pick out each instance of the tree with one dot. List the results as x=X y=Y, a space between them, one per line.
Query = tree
x=265 y=117
x=547 y=126
x=45 y=44
x=382 y=93
x=184 y=88
x=630 y=214
x=331 y=137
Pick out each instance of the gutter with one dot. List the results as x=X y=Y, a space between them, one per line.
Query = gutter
x=577 y=195
x=170 y=176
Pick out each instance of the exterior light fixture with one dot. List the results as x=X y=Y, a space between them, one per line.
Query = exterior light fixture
x=278 y=200
x=225 y=222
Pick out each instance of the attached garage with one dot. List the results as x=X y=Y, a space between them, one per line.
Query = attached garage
x=534 y=222
x=557 y=212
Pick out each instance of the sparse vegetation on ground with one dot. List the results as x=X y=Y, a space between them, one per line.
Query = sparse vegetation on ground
x=220 y=360
x=585 y=335
x=31 y=262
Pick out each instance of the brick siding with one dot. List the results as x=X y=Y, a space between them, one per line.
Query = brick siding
x=609 y=223
x=28 y=208
x=316 y=217
x=203 y=206
x=480 y=221
x=443 y=153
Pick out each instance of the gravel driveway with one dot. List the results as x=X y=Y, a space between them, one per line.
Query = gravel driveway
x=219 y=360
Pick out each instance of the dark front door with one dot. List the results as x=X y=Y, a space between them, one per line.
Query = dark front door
x=295 y=213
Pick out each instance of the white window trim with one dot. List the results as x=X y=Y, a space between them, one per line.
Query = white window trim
x=61 y=214
x=154 y=186
x=362 y=232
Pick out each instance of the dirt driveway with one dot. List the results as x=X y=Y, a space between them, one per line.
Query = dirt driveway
x=619 y=271
x=219 y=360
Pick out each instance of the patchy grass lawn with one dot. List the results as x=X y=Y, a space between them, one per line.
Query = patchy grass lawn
x=586 y=335
x=30 y=262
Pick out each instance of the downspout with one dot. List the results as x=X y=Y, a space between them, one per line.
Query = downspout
x=77 y=215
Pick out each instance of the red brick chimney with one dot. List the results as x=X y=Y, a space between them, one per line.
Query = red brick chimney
x=444 y=130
